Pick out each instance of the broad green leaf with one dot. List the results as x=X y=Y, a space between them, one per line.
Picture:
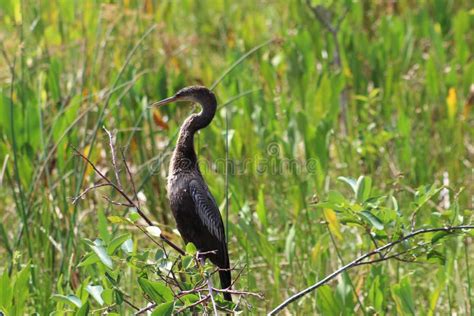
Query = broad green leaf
x=6 y=290
x=363 y=188
x=403 y=296
x=127 y=246
x=351 y=182
x=438 y=236
x=108 y=296
x=191 y=248
x=372 y=219
x=89 y=259
x=117 y=220
x=102 y=226
x=117 y=242
x=436 y=256
x=101 y=252
x=70 y=299
x=84 y=310
x=157 y=291
x=96 y=292
x=165 y=309
x=134 y=216
x=21 y=289
x=327 y=301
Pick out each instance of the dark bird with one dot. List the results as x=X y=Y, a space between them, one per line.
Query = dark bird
x=194 y=208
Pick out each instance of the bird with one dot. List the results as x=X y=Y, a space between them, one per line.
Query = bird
x=194 y=208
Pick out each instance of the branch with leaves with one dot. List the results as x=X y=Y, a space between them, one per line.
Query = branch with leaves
x=362 y=260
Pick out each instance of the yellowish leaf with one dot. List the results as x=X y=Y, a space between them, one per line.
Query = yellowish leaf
x=451 y=102
x=88 y=167
x=333 y=222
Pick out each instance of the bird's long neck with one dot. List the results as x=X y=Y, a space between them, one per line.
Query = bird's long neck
x=184 y=156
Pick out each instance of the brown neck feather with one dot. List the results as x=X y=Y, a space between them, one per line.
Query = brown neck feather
x=184 y=156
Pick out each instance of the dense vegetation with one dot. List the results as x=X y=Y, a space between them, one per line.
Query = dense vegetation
x=303 y=112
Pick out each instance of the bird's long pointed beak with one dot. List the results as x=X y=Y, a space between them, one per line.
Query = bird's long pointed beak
x=166 y=101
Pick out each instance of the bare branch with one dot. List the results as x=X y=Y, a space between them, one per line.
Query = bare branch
x=95 y=186
x=114 y=158
x=129 y=200
x=146 y=309
x=117 y=203
x=205 y=298
x=361 y=259
x=135 y=195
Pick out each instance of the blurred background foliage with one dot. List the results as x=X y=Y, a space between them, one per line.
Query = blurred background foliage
x=406 y=73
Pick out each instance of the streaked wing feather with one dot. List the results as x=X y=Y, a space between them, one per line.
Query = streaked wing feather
x=207 y=209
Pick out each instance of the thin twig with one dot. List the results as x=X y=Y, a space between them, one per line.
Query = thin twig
x=202 y=300
x=360 y=259
x=129 y=173
x=146 y=309
x=116 y=203
x=95 y=186
x=114 y=158
x=129 y=200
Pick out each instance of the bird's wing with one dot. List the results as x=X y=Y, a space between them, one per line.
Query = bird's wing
x=207 y=209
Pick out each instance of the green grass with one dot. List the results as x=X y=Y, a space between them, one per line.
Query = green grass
x=70 y=67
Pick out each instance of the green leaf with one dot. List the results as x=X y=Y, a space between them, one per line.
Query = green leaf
x=372 y=219
x=89 y=259
x=127 y=246
x=84 y=310
x=437 y=236
x=327 y=301
x=70 y=299
x=402 y=293
x=363 y=188
x=351 y=182
x=6 y=290
x=101 y=252
x=165 y=309
x=96 y=292
x=157 y=291
x=134 y=216
x=261 y=209
x=117 y=242
x=20 y=289
x=189 y=298
x=117 y=220
x=102 y=226
x=108 y=296
x=436 y=256
x=191 y=248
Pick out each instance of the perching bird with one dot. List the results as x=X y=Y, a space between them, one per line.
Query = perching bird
x=194 y=208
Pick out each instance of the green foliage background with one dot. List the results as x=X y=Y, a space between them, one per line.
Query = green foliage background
x=70 y=67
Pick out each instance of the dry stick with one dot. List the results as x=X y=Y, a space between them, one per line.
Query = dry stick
x=125 y=196
x=359 y=260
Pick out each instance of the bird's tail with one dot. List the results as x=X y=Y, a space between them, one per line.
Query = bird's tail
x=226 y=281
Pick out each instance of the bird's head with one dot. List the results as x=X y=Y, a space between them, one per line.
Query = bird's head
x=198 y=94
